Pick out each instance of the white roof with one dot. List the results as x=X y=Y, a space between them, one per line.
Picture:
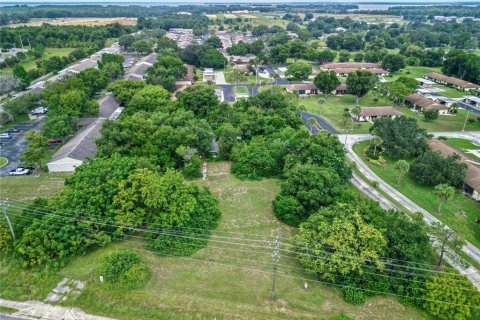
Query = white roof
x=426 y=81
x=472 y=98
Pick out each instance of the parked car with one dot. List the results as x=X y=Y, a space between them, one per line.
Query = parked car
x=20 y=172
x=12 y=130
x=52 y=141
x=39 y=110
x=4 y=136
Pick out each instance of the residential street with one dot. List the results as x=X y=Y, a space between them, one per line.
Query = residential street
x=471 y=250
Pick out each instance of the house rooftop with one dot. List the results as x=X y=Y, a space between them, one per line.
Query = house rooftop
x=351 y=65
x=379 y=112
x=452 y=80
x=472 y=98
x=108 y=104
x=473 y=172
x=424 y=103
x=82 y=145
x=301 y=86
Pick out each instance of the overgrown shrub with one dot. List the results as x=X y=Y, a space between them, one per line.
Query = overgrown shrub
x=6 y=244
x=353 y=295
x=124 y=269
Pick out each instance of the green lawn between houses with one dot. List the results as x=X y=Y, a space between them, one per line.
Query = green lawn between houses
x=332 y=110
x=460 y=210
x=187 y=289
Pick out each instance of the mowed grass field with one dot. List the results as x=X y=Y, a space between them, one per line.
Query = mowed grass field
x=25 y=188
x=78 y=22
x=30 y=62
x=456 y=212
x=332 y=110
x=221 y=281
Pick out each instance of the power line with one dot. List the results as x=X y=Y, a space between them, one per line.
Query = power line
x=294 y=258
x=189 y=235
x=386 y=261
x=296 y=277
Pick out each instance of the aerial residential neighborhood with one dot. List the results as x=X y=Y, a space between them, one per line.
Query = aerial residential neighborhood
x=240 y=161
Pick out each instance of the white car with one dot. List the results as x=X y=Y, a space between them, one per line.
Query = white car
x=20 y=172
x=39 y=110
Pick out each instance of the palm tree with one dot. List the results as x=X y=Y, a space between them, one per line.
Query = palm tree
x=377 y=142
x=444 y=192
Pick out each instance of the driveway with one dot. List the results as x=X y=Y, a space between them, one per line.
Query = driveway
x=219 y=78
x=14 y=148
x=322 y=122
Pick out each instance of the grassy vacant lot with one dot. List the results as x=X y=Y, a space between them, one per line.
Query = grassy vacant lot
x=221 y=281
x=30 y=62
x=30 y=187
x=412 y=72
x=456 y=212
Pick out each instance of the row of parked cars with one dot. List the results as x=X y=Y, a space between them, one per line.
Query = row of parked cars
x=8 y=133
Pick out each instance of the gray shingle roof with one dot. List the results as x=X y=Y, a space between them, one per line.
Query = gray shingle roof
x=82 y=145
x=107 y=105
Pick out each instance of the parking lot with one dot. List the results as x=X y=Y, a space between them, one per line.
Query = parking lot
x=13 y=149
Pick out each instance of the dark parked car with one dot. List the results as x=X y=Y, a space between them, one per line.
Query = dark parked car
x=54 y=141
x=12 y=130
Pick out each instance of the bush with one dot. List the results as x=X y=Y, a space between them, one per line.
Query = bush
x=353 y=295
x=286 y=209
x=6 y=243
x=124 y=269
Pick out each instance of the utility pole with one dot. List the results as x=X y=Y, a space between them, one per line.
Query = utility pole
x=4 y=206
x=275 y=259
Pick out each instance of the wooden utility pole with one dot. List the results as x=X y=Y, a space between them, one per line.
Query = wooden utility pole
x=275 y=259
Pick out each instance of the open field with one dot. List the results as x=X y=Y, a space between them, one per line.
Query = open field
x=77 y=22
x=41 y=184
x=456 y=212
x=216 y=282
x=30 y=62
x=412 y=72
x=3 y=161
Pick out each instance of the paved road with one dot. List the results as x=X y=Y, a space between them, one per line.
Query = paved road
x=322 y=122
x=469 y=249
x=14 y=148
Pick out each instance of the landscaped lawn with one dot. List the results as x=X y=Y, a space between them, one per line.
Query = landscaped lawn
x=446 y=122
x=3 y=161
x=413 y=72
x=221 y=281
x=464 y=145
x=332 y=109
x=460 y=210
x=240 y=89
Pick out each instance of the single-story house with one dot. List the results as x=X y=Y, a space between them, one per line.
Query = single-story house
x=471 y=185
x=472 y=101
x=373 y=113
x=303 y=89
x=281 y=71
x=422 y=103
x=452 y=81
x=77 y=149
x=242 y=68
x=425 y=83
x=341 y=89
x=344 y=72
x=208 y=74
x=188 y=79
x=444 y=100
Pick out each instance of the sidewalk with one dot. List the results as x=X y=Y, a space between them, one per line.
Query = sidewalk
x=39 y=310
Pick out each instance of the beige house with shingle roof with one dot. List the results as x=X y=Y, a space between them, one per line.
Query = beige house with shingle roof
x=373 y=113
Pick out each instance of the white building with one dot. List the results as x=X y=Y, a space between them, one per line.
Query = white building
x=209 y=74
